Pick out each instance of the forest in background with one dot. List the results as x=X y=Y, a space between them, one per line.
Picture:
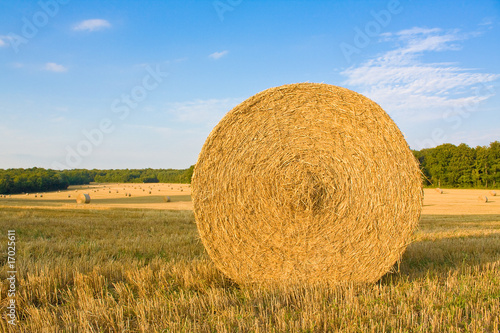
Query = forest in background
x=461 y=166
x=447 y=166
x=14 y=181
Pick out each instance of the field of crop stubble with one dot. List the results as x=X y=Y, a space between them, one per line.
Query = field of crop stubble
x=133 y=264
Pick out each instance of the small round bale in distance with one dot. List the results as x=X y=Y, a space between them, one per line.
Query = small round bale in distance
x=306 y=183
x=83 y=198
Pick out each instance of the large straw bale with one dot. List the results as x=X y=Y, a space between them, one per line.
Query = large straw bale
x=305 y=183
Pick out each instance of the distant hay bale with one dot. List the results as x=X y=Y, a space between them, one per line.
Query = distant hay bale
x=130 y=194
x=149 y=192
x=69 y=195
x=438 y=190
x=292 y=185
x=493 y=193
x=166 y=199
x=83 y=198
x=482 y=198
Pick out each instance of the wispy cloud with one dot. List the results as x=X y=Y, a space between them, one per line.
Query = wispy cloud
x=92 y=25
x=487 y=21
x=218 y=55
x=208 y=111
x=407 y=86
x=53 y=67
x=4 y=41
x=16 y=65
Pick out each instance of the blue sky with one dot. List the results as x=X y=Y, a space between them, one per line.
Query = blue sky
x=130 y=84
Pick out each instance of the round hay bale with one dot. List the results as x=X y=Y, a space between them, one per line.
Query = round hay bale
x=438 y=190
x=306 y=182
x=493 y=193
x=482 y=198
x=167 y=199
x=83 y=198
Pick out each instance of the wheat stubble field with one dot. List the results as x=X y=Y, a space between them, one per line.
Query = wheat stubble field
x=136 y=264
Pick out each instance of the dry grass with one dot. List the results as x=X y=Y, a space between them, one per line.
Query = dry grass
x=88 y=270
x=306 y=182
x=459 y=202
x=107 y=195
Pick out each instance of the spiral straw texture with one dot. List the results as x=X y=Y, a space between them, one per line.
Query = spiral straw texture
x=303 y=183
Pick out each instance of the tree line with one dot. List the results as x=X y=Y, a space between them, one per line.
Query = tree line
x=14 y=181
x=460 y=166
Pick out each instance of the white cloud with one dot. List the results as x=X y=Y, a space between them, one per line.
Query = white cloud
x=405 y=86
x=53 y=67
x=218 y=55
x=92 y=25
